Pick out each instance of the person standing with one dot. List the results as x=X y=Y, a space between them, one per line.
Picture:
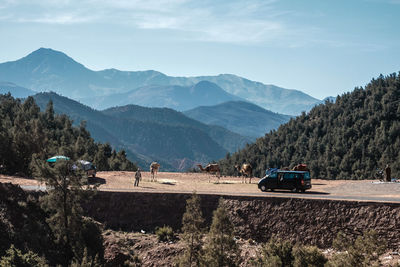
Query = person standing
x=138 y=177
x=388 y=173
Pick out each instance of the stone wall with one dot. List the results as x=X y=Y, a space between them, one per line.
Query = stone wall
x=308 y=221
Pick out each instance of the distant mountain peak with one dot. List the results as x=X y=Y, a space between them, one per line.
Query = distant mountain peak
x=47 y=52
x=47 y=69
x=49 y=60
x=206 y=85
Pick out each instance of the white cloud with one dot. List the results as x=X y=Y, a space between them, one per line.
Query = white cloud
x=217 y=21
x=225 y=21
x=64 y=19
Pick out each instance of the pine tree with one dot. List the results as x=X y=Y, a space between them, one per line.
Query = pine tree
x=192 y=223
x=347 y=139
x=65 y=193
x=14 y=257
x=221 y=248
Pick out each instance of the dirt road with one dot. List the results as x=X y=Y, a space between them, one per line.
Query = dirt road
x=169 y=182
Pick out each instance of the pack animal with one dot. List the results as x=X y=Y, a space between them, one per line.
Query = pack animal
x=246 y=171
x=211 y=169
x=154 y=167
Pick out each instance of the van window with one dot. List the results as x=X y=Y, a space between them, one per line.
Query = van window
x=273 y=175
x=289 y=175
x=307 y=176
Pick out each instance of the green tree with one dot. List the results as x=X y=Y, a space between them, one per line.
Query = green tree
x=221 y=248
x=15 y=258
x=66 y=190
x=347 y=139
x=276 y=252
x=308 y=256
x=192 y=228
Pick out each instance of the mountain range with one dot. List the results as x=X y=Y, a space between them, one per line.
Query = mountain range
x=240 y=117
x=220 y=114
x=50 y=70
x=15 y=90
x=173 y=96
x=150 y=134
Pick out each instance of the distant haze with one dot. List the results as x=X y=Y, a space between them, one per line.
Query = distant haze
x=49 y=70
x=323 y=48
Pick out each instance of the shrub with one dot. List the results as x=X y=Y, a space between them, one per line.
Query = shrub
x=277 y=251
x=14 y=257
x=165 y=234
x=86 y=261
x=364 y=251
x=91 y=240
x=308 y=256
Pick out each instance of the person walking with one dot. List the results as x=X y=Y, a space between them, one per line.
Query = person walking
x=388 y=173
x=138 y=177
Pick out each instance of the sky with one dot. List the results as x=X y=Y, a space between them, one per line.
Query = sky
x=321 y=47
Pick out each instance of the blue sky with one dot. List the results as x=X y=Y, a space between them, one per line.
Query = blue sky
x=321 y=47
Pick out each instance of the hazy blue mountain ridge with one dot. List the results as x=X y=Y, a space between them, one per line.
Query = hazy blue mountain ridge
x=172 y=96
x=241 y=117
x=270 y=97
x=50 y=70
x=15 y=90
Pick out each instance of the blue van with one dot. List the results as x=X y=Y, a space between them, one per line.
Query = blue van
x=297 y=181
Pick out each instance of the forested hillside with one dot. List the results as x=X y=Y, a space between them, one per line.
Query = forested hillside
x=348 y=139
x=230 y=141
x=158 y=139
x=27 y=134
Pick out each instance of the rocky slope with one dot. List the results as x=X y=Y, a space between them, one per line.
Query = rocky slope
x=312 y=222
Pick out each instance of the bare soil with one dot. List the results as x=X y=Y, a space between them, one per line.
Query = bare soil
x=210 y=184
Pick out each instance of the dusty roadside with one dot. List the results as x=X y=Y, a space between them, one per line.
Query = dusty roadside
x=202 y=183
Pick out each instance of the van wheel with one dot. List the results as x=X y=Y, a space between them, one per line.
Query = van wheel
x=303 y=190
x=263 y=188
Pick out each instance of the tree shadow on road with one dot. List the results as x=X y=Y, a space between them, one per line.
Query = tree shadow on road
x=305 y=193
x=96 y=180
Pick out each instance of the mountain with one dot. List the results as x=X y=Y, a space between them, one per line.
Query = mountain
x=270 y=97
x=229 y=140
x=46 y=70
x=15 y=90
x=172 y=96
x=172 y=144
x=96 y=122
x=347 y=139
x=50 y=70
x=241 y=117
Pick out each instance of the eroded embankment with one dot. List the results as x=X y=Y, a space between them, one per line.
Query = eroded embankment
x=307 y=221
